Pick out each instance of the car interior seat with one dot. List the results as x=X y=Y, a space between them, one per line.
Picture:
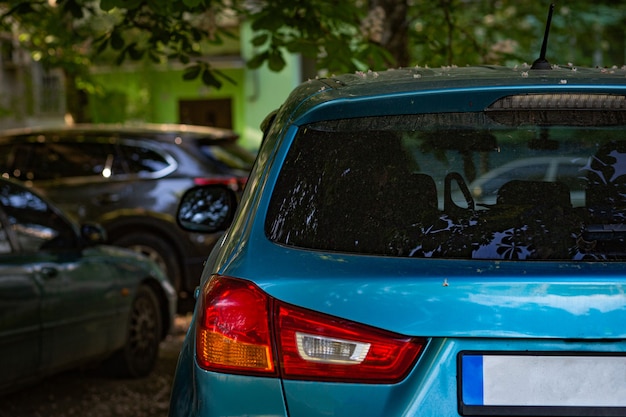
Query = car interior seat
x=534 y=193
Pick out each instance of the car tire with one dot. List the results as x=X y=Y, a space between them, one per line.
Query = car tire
x=157 y=249
x=138 y=356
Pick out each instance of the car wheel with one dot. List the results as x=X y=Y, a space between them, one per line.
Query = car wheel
x=158 y=250
x=140 y=352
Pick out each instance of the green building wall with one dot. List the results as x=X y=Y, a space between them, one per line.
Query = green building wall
x=151 y=93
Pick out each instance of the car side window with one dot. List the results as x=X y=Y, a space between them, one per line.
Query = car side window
x=143 y=160
x=6 y=159
x=52 y=160
x=5 y=243
x=14 y=160
x=36 y=226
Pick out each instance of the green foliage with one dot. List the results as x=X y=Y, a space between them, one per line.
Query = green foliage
x=337 y=35
x=510 y=32
x=326 y=31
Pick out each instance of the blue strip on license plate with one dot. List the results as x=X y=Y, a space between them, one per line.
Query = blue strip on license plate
x=539 y=381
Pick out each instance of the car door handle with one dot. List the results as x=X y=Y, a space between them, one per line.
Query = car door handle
x=49 y=272
x=108 y=198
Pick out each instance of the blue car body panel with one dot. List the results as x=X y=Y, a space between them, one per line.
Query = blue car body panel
x=430 y=390
x=414 y=297
x=459 y=305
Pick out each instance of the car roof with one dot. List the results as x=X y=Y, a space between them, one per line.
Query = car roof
x=424 y=78
x=350 y=88
x=158 y=131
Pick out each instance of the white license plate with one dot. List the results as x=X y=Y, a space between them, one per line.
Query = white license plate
x=539 y=383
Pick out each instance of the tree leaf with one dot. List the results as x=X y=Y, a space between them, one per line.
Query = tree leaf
x=121 y=57
x=102 y=46
x=260 y=40
x=266 y=21
x=117 y=41
x=154 y=57
x=257 y=60
x=193 y=3
x=108 y=5
x=276 y=62
x=196 y=34
x=126 y=4
x=209 y=79
x=224 y=76
x=192 y=72
x=73 y=8
x=133 y=52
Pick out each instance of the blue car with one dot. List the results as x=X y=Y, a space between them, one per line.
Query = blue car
x=359 y=276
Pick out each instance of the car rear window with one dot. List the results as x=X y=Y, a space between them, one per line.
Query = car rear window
x=457 y=185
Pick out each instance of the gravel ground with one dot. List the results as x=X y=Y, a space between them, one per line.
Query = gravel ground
x=88 y=393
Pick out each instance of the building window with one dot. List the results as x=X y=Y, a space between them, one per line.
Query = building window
x=51 y=98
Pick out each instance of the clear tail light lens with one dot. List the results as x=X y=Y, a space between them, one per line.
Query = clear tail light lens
x=316 y=348
x=243 y=330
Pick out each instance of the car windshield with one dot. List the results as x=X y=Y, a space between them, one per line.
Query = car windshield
x=457 y=185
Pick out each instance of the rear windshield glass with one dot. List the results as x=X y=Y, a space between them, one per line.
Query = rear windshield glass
x=464 y=185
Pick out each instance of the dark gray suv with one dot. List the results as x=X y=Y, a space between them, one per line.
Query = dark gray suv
x=129 y=179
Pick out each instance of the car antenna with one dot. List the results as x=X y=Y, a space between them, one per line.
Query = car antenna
x=542 y=63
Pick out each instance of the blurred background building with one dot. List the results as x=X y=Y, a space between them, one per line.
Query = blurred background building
x=140 y=91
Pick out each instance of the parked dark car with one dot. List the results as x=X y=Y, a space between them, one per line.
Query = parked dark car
x=565 y=169
x=129 y=179
x=351 y=282
x=67 y=300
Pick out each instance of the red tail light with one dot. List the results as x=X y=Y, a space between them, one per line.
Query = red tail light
x=234 y=183
x=243 y=330
x=233 y=332
x=316 y=346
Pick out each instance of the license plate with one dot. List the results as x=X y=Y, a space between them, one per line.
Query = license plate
x=531 y=384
